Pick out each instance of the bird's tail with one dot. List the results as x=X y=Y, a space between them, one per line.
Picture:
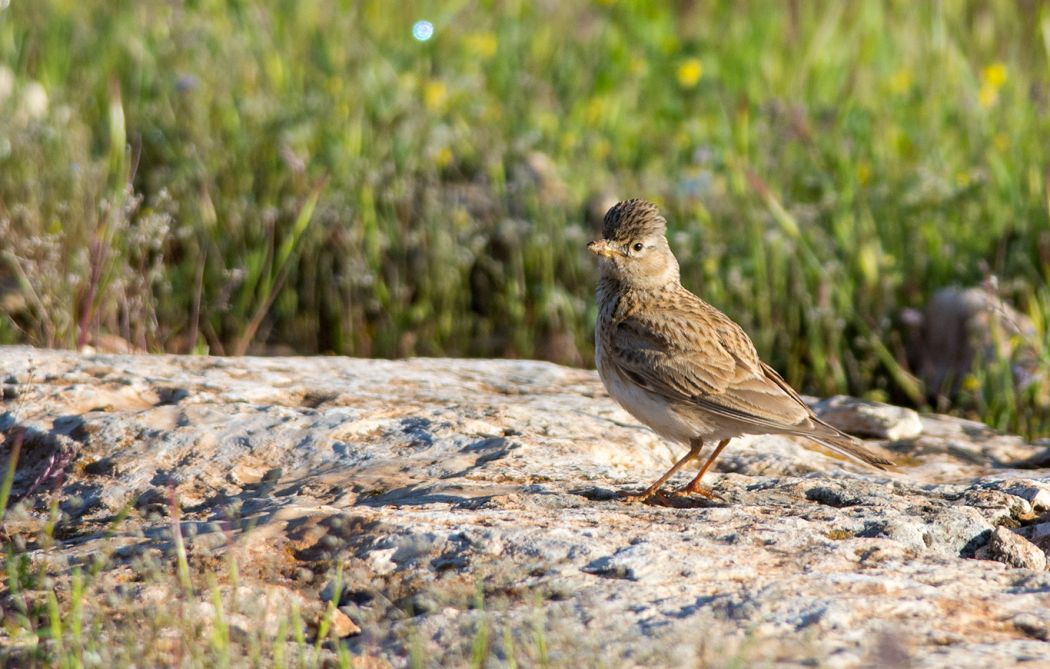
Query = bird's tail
x=844 y=444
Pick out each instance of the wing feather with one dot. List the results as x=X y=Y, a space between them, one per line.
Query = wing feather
x=695 y=355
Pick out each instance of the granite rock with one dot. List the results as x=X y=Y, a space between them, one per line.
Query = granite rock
x=1013 y=550
x=961 y=327
x=863 y=418
x=434 y=499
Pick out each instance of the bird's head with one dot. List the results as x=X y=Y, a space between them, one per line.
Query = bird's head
x=633 y=248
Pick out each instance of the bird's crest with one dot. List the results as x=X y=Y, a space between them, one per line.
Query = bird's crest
x=632 y=219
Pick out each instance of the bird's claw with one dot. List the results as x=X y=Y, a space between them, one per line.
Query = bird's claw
x=637 y=497
x=700 y=490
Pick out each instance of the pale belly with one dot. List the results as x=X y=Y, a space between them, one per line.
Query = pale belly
x=653 y=410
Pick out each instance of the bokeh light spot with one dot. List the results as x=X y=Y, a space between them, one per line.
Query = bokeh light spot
x=422 y=30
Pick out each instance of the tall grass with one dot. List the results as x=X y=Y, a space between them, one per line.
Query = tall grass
x=231 y=176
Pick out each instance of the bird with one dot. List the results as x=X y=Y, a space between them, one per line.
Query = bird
x=678 y=364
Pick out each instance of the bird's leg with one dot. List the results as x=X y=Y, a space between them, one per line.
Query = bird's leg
x=694 y=485
x=694 y=450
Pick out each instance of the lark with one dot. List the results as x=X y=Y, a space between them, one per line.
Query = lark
x=678 y=364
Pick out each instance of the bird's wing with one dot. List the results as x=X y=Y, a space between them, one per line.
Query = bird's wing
x=692 y=354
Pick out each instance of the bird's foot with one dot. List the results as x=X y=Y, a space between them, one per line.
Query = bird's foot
x=677 y=499
x=638 y=497
x=674 y=499
x=695 y=489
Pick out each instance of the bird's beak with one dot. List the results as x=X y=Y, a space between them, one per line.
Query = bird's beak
x=602 y=247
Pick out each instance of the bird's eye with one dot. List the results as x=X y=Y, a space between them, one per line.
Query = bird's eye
x=638 y=246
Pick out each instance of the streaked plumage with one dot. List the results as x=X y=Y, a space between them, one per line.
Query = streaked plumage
x=678 y=364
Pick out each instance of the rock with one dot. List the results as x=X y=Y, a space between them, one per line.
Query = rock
x=1013 y=550
x=1036 y=494
x=1038 y=534
x=107 y=343
x=951 y=447
x=367 y=661
x=1034 y=626
x=342 y=626
x=863 y=418
x=960 y=328
x=472 y=506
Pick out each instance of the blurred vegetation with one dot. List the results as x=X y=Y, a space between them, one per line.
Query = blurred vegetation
x=230 y=177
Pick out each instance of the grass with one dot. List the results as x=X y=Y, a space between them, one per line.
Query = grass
x=158 y=607
x=230 y=177
x=83 y=616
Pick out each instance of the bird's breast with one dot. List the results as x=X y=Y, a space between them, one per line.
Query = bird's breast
x=649 y=408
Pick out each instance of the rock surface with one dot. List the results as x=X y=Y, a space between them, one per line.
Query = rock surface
x=864 y=418
x=1014 y=550
x=439 y=504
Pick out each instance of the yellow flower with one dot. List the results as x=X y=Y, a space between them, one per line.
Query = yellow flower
x=868 y=258
x=595 y=109
x=877 y=395
x=443 y=157
x=482 y=45
x=987 y=96
x=601 y=149
x=435 y=93
x=1001 y=142
x=863 y=172
x=994 y=75
x=992 y=79
x=689 y=72
x=900 y=81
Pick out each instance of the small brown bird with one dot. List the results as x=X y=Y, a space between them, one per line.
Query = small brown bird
x=678 y=364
